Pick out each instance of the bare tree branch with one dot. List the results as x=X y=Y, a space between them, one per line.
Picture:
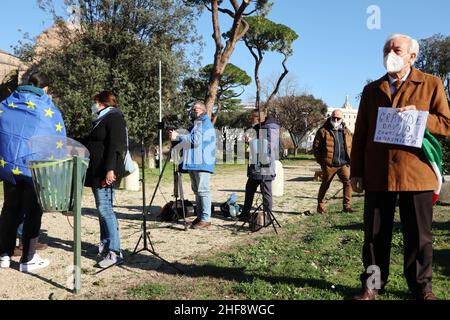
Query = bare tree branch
x=228 y=12
x=280 y=79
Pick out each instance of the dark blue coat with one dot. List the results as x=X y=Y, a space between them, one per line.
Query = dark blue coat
x=264 y=155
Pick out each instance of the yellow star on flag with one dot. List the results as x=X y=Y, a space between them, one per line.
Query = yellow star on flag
x=49 y=112
x=1 y=111
x=59 y=144
x=12 y=105
x=16 y=171
x=58 y=127
x=30 y=105
x=2 y=163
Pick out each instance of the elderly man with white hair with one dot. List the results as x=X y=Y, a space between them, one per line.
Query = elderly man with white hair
x=389 y=172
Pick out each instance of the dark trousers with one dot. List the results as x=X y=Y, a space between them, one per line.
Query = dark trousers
x=416 y=214
x=328 y=174
x=20 y=204
x=250 y=189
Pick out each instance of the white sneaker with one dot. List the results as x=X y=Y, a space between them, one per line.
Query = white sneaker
x=111 y=258
x=5 y=261
x=35 y=263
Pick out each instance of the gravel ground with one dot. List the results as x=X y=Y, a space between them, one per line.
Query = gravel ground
x=170 y=241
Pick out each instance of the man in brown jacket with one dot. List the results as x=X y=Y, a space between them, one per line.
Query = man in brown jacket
x=332 y=147
x=387 y=171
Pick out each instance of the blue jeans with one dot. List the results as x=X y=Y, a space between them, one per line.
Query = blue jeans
x=109 y=227
x=200 y=186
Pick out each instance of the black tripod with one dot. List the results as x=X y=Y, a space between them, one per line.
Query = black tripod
x=145 y=236
x=268 y=216
x=177 y=188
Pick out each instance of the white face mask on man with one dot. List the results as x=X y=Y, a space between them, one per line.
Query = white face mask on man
x=393 y=63
x=95 y=108
x=336 y=123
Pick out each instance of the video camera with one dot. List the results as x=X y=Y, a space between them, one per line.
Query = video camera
x=171 y=122
x=176 y=121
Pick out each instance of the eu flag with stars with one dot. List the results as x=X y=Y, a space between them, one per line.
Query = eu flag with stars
x=26 y=114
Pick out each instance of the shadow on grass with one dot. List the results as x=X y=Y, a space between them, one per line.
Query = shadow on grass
x=443 y=226
x=306 y=197
x=353 y=226
x=240 y=275
x=288 y=212
x=126 y=216
x=441 y=257
x=67 y=245
x=232 y=190
x=15 y=265
x=302 y=179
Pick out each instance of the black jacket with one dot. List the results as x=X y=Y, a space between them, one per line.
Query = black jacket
x=107 y=146
x=270 y=139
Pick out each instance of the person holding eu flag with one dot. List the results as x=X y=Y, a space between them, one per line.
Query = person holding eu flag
x=26 y=114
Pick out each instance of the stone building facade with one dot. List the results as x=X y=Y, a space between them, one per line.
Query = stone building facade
x=11 y=71
x=9 y=65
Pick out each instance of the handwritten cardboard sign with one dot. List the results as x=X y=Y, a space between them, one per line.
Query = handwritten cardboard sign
x=403 y=128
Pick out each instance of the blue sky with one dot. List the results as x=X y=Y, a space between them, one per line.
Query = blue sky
x=335 y=53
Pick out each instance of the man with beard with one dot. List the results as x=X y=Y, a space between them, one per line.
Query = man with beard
x=332 y=147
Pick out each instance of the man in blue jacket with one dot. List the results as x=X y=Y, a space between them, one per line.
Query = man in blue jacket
x=199 y=147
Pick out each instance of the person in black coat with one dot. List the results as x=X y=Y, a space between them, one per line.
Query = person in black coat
x=107 y=146
x=264 y=148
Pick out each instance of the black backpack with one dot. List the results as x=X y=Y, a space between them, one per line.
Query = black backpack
x=172 y=212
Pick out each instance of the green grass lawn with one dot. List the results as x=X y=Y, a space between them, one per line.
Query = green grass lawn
x=300 y=156
x=317 y=257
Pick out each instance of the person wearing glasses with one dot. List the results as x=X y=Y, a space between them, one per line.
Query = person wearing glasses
x=332 y=148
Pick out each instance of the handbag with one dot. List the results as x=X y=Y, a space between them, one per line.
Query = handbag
x=128 y=162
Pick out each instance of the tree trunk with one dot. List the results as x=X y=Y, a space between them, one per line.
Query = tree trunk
x=212 y=90
x=258 y=59
x=257 y=80
x=222 y=55
x=219 y=108
x=294 y=141
x=280 y=79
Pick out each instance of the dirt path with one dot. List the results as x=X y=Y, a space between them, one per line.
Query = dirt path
x=169 y=240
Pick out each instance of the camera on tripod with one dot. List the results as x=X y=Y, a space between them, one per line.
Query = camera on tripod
x=171 y=122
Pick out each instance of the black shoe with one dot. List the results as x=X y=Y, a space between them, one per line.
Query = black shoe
x=244 y=216
x=194 y=222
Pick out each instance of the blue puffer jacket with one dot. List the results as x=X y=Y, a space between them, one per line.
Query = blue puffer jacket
x=199 y=146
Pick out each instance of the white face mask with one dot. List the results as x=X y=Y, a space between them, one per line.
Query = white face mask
x=393 y=63
x=95 y=108
x=336 y=124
